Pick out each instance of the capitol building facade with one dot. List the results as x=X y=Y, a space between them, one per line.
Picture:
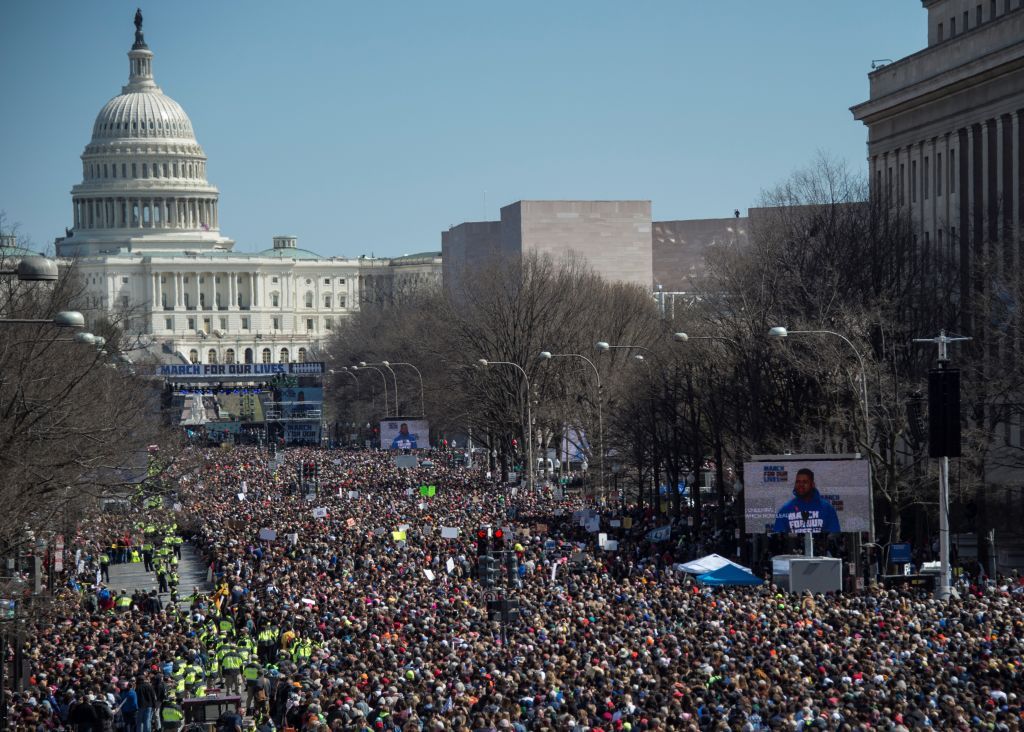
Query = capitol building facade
x=147 y=246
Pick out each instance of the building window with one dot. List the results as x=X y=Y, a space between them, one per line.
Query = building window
x=202 y=301
x=273 y=280
x=903 y=181
x=193 y=356
x=124 y=280
x=941 y=36
x=124 y=301
x=924 y=178
x=245 y=324
x=952 y=27
x=327 y=280
x=168 y=324
x=229 y=355
x=284 y=355
x=309 y=299
x=223 y=323
x=309 y=323
x=211 y=356
x=341 y=280
x=328 y=323
x=952 y=172
x=216 y=280
x=327 y=302
x=248 y=355
x=191 y=323
x=967 y=20
x=276 y=323
x=186 y=279
x=309 y=282
x=341 y=301
x=274 y=299
x=265 y=355
x=302 y=355
x=938 y=174
x=913 y=181
x=977 y=16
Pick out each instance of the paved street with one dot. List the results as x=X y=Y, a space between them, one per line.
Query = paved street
x=132 y=576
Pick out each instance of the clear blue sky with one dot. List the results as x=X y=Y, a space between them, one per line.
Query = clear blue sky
x=372 y=126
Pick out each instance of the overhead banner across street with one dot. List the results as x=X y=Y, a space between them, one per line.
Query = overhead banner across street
x=256 y=370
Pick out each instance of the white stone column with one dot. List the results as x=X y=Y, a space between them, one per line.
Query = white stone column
x=232 y=291
x=1015 y=194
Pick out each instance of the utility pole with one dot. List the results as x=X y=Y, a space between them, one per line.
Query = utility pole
x=943 y=440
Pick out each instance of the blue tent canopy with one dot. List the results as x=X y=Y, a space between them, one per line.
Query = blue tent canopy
x=728 y=575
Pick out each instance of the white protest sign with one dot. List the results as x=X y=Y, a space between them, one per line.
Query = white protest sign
x=404 y=527
x=429 y=574
x=353 y=494
x=601 y=539
x=449 y=532
x=245 y=487
x=241 y=496
x=267 y=535
x=593 y=524
x=320 y=512
x=611 y=545
x=293 y=538
x=450 y=565
x=615 y=523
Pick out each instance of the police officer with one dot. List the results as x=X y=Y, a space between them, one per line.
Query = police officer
x=123 y=602
x=267 y=643
x=251 y=672
x=171 y=716
x=230 y=670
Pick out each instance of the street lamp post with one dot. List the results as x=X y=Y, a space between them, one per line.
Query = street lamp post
x=395 y=380
x=383 y=378
x=547 y=356
x=532 y=466
x=63 y=319
x=604 y=347
x=423 y=412
x=717 y=438
x=781 y=332
x=33 y=269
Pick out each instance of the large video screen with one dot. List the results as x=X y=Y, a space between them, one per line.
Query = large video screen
x=404 y=434
x=799 y=496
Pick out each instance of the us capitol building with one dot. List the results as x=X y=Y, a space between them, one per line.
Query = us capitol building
x=147 y=244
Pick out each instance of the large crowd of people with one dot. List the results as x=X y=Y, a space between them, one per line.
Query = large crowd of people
x=356 y=605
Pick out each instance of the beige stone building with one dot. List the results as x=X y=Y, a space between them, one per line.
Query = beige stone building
x=945 y=139
x=613 y=237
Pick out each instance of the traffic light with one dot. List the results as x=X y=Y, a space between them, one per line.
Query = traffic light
x=944 y=413
x=483 y=543
x=489 y=568
x=499 y=540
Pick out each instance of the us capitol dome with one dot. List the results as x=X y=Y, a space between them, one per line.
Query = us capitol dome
x=144 y=184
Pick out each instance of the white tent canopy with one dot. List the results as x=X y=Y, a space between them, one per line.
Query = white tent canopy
x=707 y=564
